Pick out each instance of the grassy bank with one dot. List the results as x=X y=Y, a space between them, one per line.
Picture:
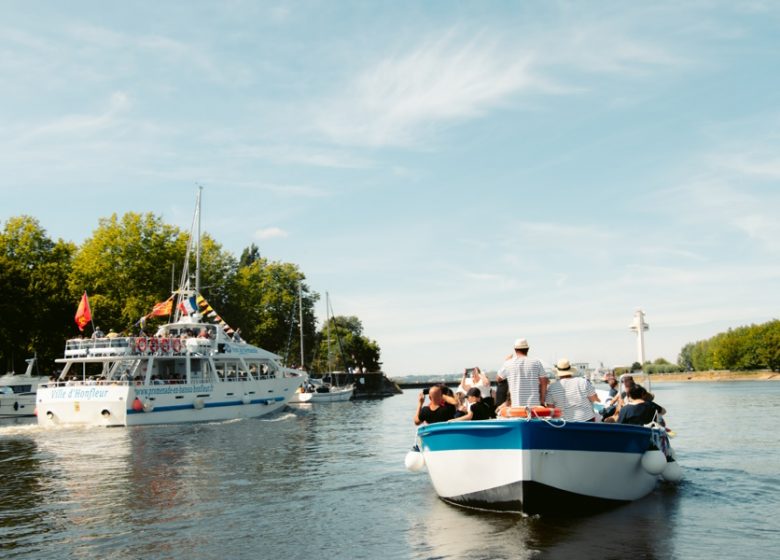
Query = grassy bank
x=764 y=375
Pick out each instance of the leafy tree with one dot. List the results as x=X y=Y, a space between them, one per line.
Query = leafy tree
x=263 y=302
x=125 y=267
x=36 y=305
x=348 y=347
x=636 y=366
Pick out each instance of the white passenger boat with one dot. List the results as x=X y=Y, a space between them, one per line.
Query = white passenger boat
x=17 y=392
x=172 y=377
x=543 y=466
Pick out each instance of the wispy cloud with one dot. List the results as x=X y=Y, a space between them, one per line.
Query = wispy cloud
x=444 y=79
x=301 y=155
x=270 y=233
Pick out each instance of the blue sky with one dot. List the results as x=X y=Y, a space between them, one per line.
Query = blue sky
x=456 y=174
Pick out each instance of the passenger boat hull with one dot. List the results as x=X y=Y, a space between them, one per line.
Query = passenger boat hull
x=537 y=466
x=16 y=405
x=112 y=404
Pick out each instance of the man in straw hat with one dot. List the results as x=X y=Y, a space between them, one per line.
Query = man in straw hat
x=580 y=394
x=525 y=376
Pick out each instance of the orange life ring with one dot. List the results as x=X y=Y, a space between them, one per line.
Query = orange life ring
x=536 y=412
x=165 y=345
x=176 y=344
x=152 y=345
x=140 y=344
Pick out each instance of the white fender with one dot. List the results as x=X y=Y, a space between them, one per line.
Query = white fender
x=673 y=472
x=654 y=461
x=247 y=399
x=414 y=461
x=148 y=406
x=197 y=404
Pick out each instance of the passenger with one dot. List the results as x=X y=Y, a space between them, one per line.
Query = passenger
x=556 y=396
x=98 y=333
x=580 y=394
x=112 y=334
x=437 y=411
x=638 y=410
x=478 y=408
x=478 y=380
x=203 y=333
x=610 y=406
x=525 y=377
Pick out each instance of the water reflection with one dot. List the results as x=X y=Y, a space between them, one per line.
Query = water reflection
x=642 y=529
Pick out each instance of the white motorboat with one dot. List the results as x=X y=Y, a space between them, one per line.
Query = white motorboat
x=172 y=377
x=17 y=392
x=541 y=465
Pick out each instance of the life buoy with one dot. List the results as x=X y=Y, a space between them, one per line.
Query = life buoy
x=140 y=344
x=536 y=412
x=176 y=345
x=165 y=345
x=153 y=345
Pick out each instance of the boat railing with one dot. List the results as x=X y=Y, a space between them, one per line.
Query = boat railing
x=137 y=346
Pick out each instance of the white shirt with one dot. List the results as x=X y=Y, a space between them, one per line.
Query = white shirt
x=579 y=406
x=522 y=375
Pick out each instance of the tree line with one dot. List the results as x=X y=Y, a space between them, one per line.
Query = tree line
x=744 y=348
x=129 y=264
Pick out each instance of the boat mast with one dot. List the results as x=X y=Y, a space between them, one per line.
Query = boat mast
x=300 y=320
x=197 y=254
x=327 y=324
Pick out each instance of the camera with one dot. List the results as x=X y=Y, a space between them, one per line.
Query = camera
x=426 y=391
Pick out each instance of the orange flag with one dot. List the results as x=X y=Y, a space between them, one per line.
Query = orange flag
x=83 y=313
x=162 y=309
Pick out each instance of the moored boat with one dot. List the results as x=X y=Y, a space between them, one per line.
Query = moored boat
x=17 y=392
x=542 y=466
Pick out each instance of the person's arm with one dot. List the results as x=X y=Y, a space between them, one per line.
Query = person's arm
x=543 y=382
x=594 y=398
x=463 y=418
x=450 y=399
x=420 y=401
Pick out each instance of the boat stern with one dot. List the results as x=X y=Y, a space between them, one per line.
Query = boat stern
x=89 y=405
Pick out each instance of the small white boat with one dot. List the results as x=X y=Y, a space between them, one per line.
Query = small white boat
x=172 y=377
x=543 y=466
x=17 y=392
x=315 y=392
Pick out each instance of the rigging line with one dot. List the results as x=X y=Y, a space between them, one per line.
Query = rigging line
x=338 y=338
x=289 y=337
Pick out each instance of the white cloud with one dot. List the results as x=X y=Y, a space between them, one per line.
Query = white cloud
x=270 y=233
x=444 y=79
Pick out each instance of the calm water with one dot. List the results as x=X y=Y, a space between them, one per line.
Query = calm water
x=330 y=482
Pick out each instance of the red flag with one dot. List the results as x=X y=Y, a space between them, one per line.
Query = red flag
x=162 y=309
x=83 y=313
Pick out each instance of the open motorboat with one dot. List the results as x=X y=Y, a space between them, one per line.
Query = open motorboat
x=192 y=370
x=537 y=465
x=17 y=392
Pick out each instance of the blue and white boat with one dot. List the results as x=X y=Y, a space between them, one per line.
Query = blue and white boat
x=543 y=466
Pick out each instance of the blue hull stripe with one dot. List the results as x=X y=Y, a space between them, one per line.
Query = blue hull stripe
x=205 y=405
x=535 y=434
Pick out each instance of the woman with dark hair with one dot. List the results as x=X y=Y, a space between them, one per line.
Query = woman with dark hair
x=640 y=409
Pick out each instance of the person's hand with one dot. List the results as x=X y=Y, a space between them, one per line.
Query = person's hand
x=421 y=397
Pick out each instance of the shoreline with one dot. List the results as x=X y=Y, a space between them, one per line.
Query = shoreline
x=704 y=376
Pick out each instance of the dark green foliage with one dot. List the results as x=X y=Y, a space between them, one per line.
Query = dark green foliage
x=744 y=348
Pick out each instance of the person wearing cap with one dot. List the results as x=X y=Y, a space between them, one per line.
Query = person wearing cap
x=580 y=394
x=525 y=377
x=478 y=409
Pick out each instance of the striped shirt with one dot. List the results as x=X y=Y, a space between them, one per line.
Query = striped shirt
x=556 y=396
x=522 y=375
x=579 y=407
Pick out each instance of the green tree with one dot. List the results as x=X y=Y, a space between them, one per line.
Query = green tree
x=125 y=267
x=347 y=346
x=36 y=305
x=263 y=302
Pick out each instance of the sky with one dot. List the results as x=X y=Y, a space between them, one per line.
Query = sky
x=455 y=174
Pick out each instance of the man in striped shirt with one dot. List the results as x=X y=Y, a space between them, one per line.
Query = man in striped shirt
x=525 y=377
x=580 y=394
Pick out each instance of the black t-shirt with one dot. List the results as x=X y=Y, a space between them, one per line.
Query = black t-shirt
x=640 y=414
x=481 y=411
x=441 y=414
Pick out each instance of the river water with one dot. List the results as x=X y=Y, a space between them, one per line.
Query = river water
x=329 y=482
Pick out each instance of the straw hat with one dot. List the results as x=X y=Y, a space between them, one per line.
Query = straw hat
x=563 y=367
x=521 y=344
